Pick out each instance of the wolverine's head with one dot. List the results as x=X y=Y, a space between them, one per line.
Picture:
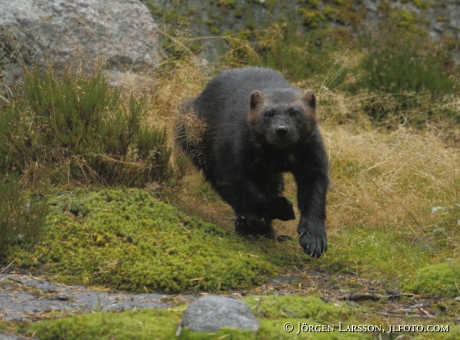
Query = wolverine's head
x=282 y=116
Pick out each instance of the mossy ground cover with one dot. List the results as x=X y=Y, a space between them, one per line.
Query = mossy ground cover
x=441 y=278
x=128 y=240
x=273 y=313
x=384 y=233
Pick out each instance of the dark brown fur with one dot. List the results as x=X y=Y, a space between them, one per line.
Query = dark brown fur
x=257 y=127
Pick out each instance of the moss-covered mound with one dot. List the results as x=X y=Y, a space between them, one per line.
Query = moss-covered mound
x=439 y=279
x=128 y=240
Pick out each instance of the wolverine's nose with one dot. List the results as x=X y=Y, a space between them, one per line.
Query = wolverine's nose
x=281 y=130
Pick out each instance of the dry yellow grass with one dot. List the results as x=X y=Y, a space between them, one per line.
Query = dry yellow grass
x=379 y=179
x=389 y=178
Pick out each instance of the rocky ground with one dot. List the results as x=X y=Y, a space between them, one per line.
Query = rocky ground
x=27 y=298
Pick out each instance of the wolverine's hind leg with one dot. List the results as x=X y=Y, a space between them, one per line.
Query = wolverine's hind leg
x=248 y=224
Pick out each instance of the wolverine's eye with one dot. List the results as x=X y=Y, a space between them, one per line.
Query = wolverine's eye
x=293 y=113
x=269 y=114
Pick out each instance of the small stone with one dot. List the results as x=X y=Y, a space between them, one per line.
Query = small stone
x=212 y=313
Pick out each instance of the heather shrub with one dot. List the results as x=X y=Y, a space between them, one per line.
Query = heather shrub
x=21 y=214
x=406 y=75
x=74 y=128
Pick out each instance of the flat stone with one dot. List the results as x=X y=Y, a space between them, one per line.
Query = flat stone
x=212 y=313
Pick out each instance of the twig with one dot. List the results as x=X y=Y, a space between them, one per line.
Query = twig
x=8 y=266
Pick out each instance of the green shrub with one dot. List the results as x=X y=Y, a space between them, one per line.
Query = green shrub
x=21 y=215
x=399 y=61
x=403 y=67
x=298 y=56
x=76 y=128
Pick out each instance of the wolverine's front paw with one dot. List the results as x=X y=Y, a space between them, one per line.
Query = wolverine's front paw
x=283 y=209
x=312 y=237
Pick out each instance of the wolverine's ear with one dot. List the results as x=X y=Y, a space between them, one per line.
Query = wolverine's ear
x=309 y=99
x=256 y=99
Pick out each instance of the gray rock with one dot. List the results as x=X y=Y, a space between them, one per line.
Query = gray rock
x=4 y=336
x=211 y=313
x=81 y=34
x=22 y=297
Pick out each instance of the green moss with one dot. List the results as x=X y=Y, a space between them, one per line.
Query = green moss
x=406 y=19
x=438 y=279
x=139 y=324
x=273 y=329
x=311 y=307
x=209 y=22
x=309 y=3
x=251 y=25
x=227 y=3
x=239 y=12
x=214 y=30
x=131 y=241
x=423 y=4
x=331 y=13
x=245 y=34
x=153 y=8
x=196 y=46
x=162 y=324
x=311 y=19
x=270 y=4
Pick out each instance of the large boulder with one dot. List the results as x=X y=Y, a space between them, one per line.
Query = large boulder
x=76 y=34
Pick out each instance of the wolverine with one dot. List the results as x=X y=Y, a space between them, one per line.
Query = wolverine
x=257 y=126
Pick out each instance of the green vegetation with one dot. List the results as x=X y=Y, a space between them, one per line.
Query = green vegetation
x=139 y=324
x=74 y=128
x=21 y=214
x=373 y=251
x=60 y=129
x=156 y=324
x=407 y=77
x=128 y=240
x=441 y=279
x=273 y=313
x=405 y=67
x=311 y=307
x=311 y=19
x=393 y=206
